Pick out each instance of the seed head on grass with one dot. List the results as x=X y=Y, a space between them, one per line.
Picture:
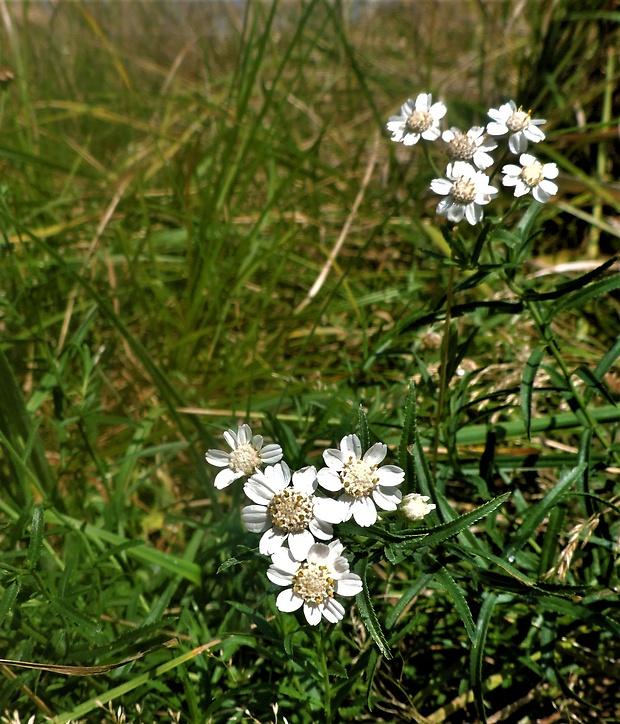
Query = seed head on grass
x=246 y=457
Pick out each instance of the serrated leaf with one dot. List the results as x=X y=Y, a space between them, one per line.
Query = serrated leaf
x=459 y=601
x=593 y=383
x=368 y=614
x=364 y=434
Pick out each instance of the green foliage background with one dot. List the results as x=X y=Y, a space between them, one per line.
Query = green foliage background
x=174 y=179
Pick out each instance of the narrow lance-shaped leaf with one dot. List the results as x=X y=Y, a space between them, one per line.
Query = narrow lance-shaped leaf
x=527 y=386
x=368 y=614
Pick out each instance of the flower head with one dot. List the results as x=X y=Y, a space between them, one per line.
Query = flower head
x=314 y=583
x=366 y=485
x=417 y=119
x=416 y=506
x=519 y=124
x=247 y=455
x=531 y=176
x=288 y=510
x=466 y=191
x=472 y=146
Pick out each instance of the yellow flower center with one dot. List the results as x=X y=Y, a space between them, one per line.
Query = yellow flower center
x=419 y=121
x=313 y=583
x=463 y=190
x=519 y=121
x=358 y=478
x=291 y=510
x=461 y=147
x=244 y=459
x=532 y=174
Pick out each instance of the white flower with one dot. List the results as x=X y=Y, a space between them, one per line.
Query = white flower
x=472 y=146
x=419 y=118
x=531 y=176
x=466 y=189
x=416 y=506
x=522 y=128
x=365 y=484
x=248 y=454
x=288 y=512
x=315 y=582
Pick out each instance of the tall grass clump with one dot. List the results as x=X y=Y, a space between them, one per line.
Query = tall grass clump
x=363 y=257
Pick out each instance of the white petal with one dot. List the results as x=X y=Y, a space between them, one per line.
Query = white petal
x=438 y=110
x=526 y=159
x=225 y=477
x=288 y=601
x=255 y=518
x=548 y=187
x=387 y=498
x=244 y=434
x=329 y=510
x=329 y=479
x=444 y=206
x=456 y=212
x=411 y=139
x=271 y=541
x=497 y=128
x=540 y=194
x=482 y=160
x=375 y=454
x=279 y=577
x=319 y=553
x=350 y=584
x=333 y=611
x=283 y=560
x=473 y=213
x=550 y=170
x=231 y=438
x=320 y=529
x=257 y=442
x=423 y=101
x=441 y=186
x=448 y=136
x=431 y=134
x=335 y=549
x=333 y=459
x=521 y=188
x=517 y=143
x=364 y=512
x=271 y=454
x=300 y=543
x=390 y=475
x=305 y=481
x=312 y=613
x=534 y=134
x=257 y=491
x=217 y=457
x=351 y=447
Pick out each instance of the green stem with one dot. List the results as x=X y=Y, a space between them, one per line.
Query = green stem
x=443 y=366
x=321 y=646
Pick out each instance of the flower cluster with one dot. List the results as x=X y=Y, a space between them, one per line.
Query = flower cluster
x=466 y=187
x=296 y=521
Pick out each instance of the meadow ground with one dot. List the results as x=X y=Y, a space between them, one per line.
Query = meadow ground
x=204 y=222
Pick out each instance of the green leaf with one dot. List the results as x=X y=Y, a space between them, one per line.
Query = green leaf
x=476 y=655
x=592 y=291
x=368 y=614
x=408 y=434
x=527 y=386
x=594 y=383
x=459 y=601
x=364 y=434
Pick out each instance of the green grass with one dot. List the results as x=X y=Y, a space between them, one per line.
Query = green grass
x=173 y=181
